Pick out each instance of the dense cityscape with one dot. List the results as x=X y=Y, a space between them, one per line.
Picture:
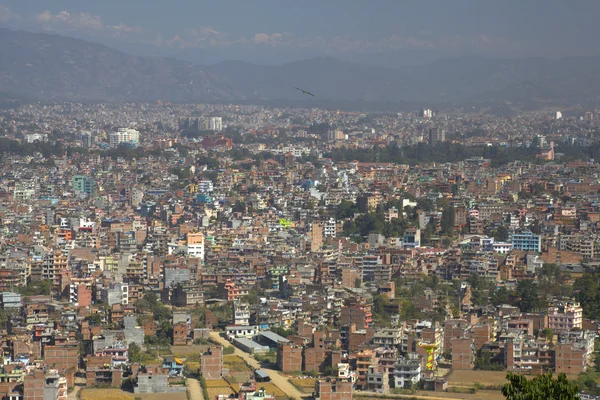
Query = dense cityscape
x=236 y=251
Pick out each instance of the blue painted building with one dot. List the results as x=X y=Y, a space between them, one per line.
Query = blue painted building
x=526 y=241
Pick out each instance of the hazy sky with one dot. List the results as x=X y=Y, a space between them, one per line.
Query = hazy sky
x=391 y=32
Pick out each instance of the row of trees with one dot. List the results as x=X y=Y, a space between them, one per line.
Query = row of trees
x=587 y=292
x=454 y=152
x=529 y=295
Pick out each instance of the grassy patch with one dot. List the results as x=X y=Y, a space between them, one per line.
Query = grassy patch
x=304 y=385
x=235 y=364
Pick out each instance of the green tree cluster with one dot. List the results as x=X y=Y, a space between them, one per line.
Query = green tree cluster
x=454 y=152
x=587 y=292
x=543 y=387
x=41 y=288
x=484 y=362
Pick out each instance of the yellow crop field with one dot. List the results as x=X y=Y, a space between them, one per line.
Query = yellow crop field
x=233 y=359
x=193 y=365
x=105 y=394
x=215 y=391
x=304 y=384
x=235 y=364
x=216 y=383
x=271 y=389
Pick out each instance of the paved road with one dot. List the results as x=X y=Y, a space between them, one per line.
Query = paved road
x=194 y=389
x=280 y=381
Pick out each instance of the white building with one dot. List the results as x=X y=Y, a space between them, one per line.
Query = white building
x=245 y=331
x=330 y=228
x=558 y=115
x=215 y=124
x=74 y=293
x=426 y=113
x=345 y=373
x=36 y=137
x=195 y=245
x=241 y=313
x=196 y=250
x=205 y=187
x=124 y=135
x=115 y=294
x=407 y=372
x=24 y=190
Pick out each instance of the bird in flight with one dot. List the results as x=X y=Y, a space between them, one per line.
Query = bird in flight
x=305 y=92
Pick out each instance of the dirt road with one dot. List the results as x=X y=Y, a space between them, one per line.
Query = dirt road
x=73 y=394
x=194 y=389
x=280 y=381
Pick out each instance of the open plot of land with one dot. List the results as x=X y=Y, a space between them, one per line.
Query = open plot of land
x=235 y=364
x=186 y=351
x=105 y=394
x=215 y=391
x=214 y=383
x=468 y=378
x=307 y=385
x=233 y=359
x=162 y=396
x=215 y=387
x=272 y=389
x=481 y=394
x=193 y=365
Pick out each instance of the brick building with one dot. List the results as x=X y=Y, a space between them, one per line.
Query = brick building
x=463 y=355
x=454 y=328
x=211 y=363
x=481 y=334
x=289 y=357
x=181 y=332
x=349 y=277
x=62 y=357
x=361 y=316
x=331 y=389
x=569 y=359
x=314 y=359
x=99 y=371
x=40 y=385
x=33 y=386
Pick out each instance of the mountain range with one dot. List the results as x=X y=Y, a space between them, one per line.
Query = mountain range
x=57 y=68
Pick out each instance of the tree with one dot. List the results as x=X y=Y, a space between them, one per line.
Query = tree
x=480 y=289
x=134 y=351
x=542 y=387
x=501 y=234
x=551 y=281
x=41 y=288
x=346 y=209
x=425 y=204
x=483 y=362
x=500 y=296
x=529 y=295
x=587 y=292
x=379 y=315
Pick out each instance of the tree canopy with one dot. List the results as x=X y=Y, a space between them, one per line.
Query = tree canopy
x=587 y=292
x=543 y=387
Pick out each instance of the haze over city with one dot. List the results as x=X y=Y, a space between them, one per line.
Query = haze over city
x=391 y=33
